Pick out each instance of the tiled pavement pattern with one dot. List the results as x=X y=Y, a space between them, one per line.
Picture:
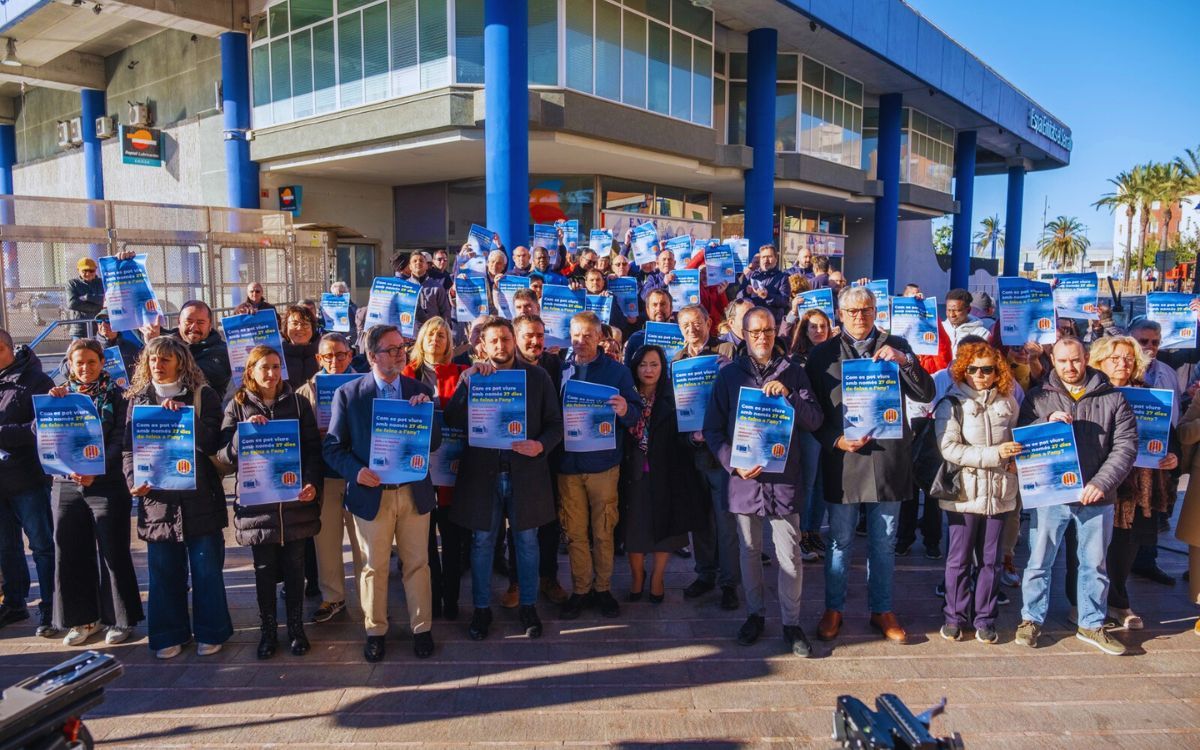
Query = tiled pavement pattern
x=666 y=675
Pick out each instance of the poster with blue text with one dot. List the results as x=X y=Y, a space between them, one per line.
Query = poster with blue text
x=624 y=288
x=644 y=242
x=589 y=422
x=600 y=241
x=114 y=365
x=693 y=380
x=1026 y=311
x=335 y=312
x=496 y=410
x=681 y=247
x=820 y=299
x=407 y=297
x=666 y=335
x=559 y=304
x=570 y=228
x=444 y=462
x=1076 y=295
x=871 y=401
x=70 y=438
x=381 y=305
x=244 y=332
x=546 y=236
x=471 y=298
x=883 y=309
x=1172 y=311
x=164 y=447
x=1152 y=407
x=601 y=304
x=507 y=288
x=480 y=240
x=741 y=253
x=128 y=295
x=268 y=467
x=719 y=265
x=684 y=288
x=916 y=321
x=327 y=384
x=1048 y=465
x=400 y=437
x=762 y=431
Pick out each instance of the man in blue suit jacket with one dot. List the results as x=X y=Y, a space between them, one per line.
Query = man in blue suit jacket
x=383 y=512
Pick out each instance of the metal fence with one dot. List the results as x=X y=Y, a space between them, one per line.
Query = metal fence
x=192 y=252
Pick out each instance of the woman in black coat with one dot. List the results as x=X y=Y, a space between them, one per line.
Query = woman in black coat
x=300 y=344
x=276 y=532
x=667 y=499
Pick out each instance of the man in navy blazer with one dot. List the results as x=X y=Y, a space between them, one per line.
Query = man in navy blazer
x=383 y=512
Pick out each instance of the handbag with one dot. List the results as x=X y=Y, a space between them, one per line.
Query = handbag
x=947 y=482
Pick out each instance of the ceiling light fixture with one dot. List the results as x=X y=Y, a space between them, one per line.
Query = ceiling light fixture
x=10 y=54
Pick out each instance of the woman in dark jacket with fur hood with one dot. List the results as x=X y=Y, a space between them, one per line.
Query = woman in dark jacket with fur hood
x=276 y=532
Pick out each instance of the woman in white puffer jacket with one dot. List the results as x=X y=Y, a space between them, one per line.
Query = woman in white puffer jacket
x=976 y=435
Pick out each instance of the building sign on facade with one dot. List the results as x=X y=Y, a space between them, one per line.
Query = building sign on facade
x=141 y=146
x=1040 y=122
x=290 y=197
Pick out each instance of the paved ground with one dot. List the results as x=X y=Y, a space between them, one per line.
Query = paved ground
x=666 y=675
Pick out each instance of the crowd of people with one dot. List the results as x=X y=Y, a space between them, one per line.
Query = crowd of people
x=659 y=491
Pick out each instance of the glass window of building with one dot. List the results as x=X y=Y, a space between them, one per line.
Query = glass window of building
x=558 y=197
x=655 y=200
x=926 y=149
x=831 y=115
x=543 y=42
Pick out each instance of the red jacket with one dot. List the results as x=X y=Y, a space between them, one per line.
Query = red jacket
x=447 y=381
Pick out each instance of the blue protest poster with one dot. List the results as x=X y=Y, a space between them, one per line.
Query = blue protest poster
x=589 y=422
x=1152 y=407
x=408 y=294
x=570 y=229
x=470 y=299
x=741 y=253
x=883 y=310
x=719 y=263
x=559 y=305
x=480 y=240
x=600 y=241
x=871 y=401
x=70 y=438
x=546 y=236
x=114 y=365
x=128 y=295
x=685 y=288
x=335 y=312
x=496 y=410
x=400 y=437
x=693 y=380
x=444 y=462
x=666 y=335
x=327 y=385
x=381 y=305
x=821 y=299
x=1026 y=312
x=244 y=332
x=164 y=447
x=916 y=321
x=625 y=289
x=1048 y=465
x=1076 y=295
x=762 y=431
x=1172 y=311
x=601 y=304
x=506 y=292
x=644 y=241
x=268 y=467
x=681 y=247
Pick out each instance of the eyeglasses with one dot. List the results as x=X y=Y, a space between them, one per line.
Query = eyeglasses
x=1149 y=342
x=392 y=351
x=859 y=312
x=982 y=369
x=759 y=332
x=1117 y=359
x=335 y=357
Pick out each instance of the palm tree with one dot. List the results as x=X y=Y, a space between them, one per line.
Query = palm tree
x=991 y=234
x=1129 y=186
x=1063 y=243
x=1169 y=186
x=1189 y=164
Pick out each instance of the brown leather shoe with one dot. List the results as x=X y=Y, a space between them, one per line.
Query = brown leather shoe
x=886 y=623
x=511 y=598
x=554 y=591
x=830 y=624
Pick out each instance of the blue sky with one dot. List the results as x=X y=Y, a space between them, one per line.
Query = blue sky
x=1124 y=76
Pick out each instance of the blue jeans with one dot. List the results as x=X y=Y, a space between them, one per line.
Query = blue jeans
x=813 y=489
x=167 y=621
x=29 y=512
x=881 y=553
x=483 y=545
x=1093 y=523
x=716 y=545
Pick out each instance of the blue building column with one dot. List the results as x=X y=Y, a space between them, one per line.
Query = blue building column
x=887 y=171
x=8 y=158
x=759 y=192
x=964 y=193
x=1012 y=218
x=93 y=105
x=241 y=174
x=506 y=118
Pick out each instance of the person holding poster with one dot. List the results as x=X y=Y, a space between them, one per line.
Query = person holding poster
x=182 y=528
x=658 y=310
x=85 y=296
x=433 y=299
x=496 y=484
x=587 y=482
x=662 y=275
x=1105 y=430
x=334 y=356
x=758 y=496
x=275 y=531
x=973 y=425
x=767 y=285
x=91 y=511
x=384 y=513
x=868 y=472
x=206 y=346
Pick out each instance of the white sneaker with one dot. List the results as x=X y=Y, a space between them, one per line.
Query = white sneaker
x=207 y=649
x=1127 y=617
x=170 y=652
x=117 y=635
x=79 y=634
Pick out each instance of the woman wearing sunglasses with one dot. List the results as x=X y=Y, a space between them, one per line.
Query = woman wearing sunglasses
x=974 y=429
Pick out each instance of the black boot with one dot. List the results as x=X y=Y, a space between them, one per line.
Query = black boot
x=295 y=630
x=269 y=640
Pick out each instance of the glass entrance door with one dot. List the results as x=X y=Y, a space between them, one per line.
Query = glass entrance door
x=356 y=266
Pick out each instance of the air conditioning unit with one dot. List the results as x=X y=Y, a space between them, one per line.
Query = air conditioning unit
x=139 y=114
x=64 y=134
x=105 y=128
x=76 y=131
